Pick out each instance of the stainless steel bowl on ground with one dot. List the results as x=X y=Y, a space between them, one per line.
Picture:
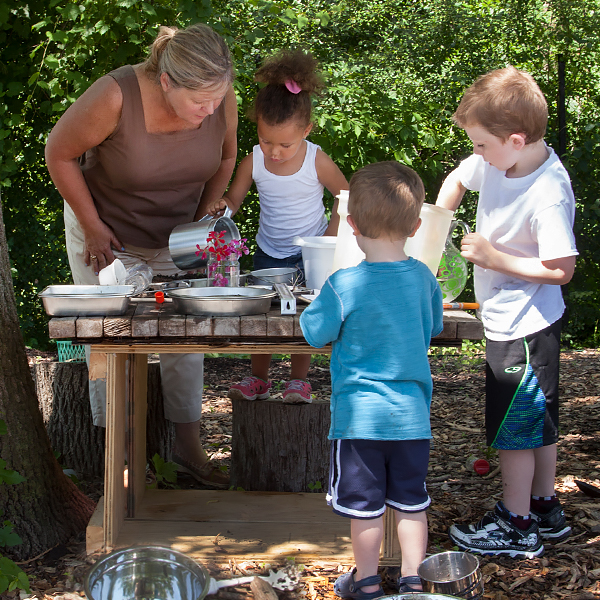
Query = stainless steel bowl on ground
x=221 y=301
x=452 y=573
x=147 y=572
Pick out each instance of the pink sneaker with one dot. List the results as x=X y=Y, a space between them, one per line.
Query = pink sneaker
x=297 y=392
x=250 y=388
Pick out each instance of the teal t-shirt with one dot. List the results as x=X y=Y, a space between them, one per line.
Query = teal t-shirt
x=380 y=318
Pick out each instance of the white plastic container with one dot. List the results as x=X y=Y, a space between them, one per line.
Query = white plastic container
x=317 y=256
x=347 y=253
x=427 y=245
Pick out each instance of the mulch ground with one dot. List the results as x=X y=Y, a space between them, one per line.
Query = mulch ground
x=569 y=570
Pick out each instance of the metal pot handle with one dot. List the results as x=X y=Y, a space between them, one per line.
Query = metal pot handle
x=228 y=212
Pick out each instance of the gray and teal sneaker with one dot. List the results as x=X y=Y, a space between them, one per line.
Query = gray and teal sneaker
x=552 y=524
x=496 y=535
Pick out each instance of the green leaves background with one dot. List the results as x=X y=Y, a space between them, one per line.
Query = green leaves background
x=395 y=71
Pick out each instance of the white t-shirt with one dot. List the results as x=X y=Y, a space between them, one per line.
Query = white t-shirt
x=290 y=205
x=529 y=216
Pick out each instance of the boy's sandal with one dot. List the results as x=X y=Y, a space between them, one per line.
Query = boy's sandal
x=405 y=584
x=346 y=587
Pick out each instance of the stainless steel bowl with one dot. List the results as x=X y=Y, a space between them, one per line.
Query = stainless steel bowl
x=452 y=573
x=221 y=301
x=86 y=300
x=147 y=572
x=287 y=275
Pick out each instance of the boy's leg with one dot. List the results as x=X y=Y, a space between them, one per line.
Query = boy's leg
x=297 y=389
x=300 y=366
x=412 y=535
x=544 y=477
x=366 y=544
x=260 y=366
x=518 y=468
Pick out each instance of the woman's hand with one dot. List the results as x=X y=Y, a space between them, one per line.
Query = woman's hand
x=99 y=243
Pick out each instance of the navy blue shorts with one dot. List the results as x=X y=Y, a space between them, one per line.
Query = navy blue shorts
x=367 y=475
x=521 y=385
x=262 y=260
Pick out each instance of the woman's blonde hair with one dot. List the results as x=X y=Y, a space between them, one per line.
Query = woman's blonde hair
x=503 y=102
x=385 y=200
x=195 y=57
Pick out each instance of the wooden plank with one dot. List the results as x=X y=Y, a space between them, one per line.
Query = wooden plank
x=280 y=325
x=94 y=533
x=297 y=328
x=198 y=326
x=90 y=327
x=226 y=326
x=114 y=488
x=253 y=325
x=449 y=332
x=390 y=546
x=261 y=525
x=145 y=320
x=97 y=366
x=171 y=325
x=294 y=346
x=119 y=326
x=62 y=327
x=137 y=407
x=468 y=327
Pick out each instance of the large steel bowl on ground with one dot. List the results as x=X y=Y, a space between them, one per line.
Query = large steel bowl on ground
x=221 y=301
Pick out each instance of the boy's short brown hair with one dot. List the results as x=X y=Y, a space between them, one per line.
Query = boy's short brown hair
x=386 y=200
x=503 y=102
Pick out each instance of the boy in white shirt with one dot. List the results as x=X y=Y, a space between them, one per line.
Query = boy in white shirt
x=523 y=251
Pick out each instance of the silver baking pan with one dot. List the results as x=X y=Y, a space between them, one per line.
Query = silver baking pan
x=86 y=300
x=221 y=301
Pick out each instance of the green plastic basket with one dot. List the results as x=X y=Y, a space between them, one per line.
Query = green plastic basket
x=69 y=352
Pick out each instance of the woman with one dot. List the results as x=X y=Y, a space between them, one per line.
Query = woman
x=145 y=148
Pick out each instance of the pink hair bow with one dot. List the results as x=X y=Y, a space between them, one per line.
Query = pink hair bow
x=292 y=86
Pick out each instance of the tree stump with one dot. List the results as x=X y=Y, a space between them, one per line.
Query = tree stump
x=63 y=398
x=280 y=447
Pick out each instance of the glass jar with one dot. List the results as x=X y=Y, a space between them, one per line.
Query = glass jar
x=224 y=272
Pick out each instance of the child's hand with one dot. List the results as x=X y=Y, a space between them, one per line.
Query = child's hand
x=218 y=208
x=478 y=250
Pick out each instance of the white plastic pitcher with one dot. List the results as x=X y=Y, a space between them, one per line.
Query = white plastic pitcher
x=347 y=253
x=427 y=245
x=317 y=256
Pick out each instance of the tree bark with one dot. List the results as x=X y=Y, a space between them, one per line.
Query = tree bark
x=280 y=447
x=47 y=508
x=63 y=397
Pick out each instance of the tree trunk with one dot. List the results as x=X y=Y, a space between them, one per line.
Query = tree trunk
x=63 y=396
x=280 y=447
x=47 y=508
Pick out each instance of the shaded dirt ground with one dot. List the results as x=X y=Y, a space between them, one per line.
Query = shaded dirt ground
x=569 y=570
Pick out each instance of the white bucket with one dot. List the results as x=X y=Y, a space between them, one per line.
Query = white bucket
x=317 y=256
x=427 y=245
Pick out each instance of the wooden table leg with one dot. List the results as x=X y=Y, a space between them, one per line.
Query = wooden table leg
x=136 y=439
x=114 y=487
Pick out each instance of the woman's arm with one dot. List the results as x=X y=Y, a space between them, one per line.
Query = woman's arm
x=217 y=184
x=333 y=179
x=237 y=191
x=84 y=125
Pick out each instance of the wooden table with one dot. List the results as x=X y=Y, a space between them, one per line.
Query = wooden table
x=204 y=524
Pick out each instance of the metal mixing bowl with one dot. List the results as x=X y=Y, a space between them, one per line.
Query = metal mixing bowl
x=221 y=301
x=147 y=573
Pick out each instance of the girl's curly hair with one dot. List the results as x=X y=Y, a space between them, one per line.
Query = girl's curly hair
x=275 y=103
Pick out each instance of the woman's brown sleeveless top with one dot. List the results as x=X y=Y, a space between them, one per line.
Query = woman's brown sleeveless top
x=144 y=184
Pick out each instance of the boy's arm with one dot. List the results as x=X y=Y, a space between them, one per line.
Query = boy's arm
x=240 y=186
x=554 y=272
x=333 y=179
x=321 y=321
x=451 y=193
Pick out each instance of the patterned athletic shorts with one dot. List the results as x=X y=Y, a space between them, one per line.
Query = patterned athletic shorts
x=522 y=390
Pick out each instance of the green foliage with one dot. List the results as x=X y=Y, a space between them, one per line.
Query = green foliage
x=166 y=472
x=11 y=576
x=395 y=71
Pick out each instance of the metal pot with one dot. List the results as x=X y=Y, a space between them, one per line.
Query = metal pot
x=287 y=275
x=221 y=301
x=185 y=239
x=147 y=572
x=455 y=573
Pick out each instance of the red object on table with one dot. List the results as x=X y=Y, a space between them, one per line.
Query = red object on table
x=159 y=297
